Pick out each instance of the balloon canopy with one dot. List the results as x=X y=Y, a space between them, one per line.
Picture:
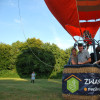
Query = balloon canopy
x=76 y=15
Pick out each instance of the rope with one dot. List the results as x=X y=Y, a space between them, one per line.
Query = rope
x=26 y=39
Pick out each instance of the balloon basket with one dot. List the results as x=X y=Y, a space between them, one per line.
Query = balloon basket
x=81 y=82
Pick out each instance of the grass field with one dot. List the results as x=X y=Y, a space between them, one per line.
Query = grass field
x=23 y=89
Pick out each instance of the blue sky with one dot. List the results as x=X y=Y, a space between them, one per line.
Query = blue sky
x=36 y=21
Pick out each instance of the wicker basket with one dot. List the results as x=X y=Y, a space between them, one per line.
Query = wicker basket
x=68 y=70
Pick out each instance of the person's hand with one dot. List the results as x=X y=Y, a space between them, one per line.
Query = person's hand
x=80 y=63
x=95 y=62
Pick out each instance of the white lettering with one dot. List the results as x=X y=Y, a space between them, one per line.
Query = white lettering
x=92 y=81
x=94 y=89
x=86 y=81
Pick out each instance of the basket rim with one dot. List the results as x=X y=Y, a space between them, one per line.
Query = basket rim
x=83 y=65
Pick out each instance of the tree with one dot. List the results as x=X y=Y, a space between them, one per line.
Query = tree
x=46 y=59
x=60 y=58
x=34 y=57
x=5 y=56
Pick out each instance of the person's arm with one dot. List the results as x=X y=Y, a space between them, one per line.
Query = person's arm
x=97 y=62
x=73 y=62
x=88 y=61
x=88 y=58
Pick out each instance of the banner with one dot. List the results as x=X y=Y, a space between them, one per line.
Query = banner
x=81 y=83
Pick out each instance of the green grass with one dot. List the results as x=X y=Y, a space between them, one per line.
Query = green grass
x=23 y=89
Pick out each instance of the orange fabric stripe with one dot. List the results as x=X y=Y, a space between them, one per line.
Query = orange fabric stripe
x=88 y=3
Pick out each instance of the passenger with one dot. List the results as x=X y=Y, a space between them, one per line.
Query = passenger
x=83 y=55
x=74 y=59
x=97 y=54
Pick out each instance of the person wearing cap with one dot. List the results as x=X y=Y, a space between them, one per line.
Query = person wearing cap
x=83 y=55
x=74 y=59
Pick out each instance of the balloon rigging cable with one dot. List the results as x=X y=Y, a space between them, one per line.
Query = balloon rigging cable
x=26 y=39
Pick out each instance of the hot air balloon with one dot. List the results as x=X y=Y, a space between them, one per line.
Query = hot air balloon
x=79 y=18
x=76 y=16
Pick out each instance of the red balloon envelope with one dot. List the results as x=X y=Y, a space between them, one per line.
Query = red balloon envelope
x=76 y=15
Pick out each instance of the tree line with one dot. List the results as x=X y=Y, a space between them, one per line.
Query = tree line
x=45 y=59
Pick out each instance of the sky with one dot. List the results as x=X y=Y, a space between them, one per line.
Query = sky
x=34 y=20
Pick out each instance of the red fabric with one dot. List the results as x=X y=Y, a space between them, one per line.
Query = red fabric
x=75 y=31
x=65 y=11
x=89 y=15
x=69 y=12
x=90 y=24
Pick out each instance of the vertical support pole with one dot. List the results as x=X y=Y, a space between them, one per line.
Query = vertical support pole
x=95 y=55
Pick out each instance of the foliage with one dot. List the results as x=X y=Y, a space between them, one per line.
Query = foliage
x=9 y=73
x=27 y=62
x=60 y=58
x=5 y=56
x=47 y=60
